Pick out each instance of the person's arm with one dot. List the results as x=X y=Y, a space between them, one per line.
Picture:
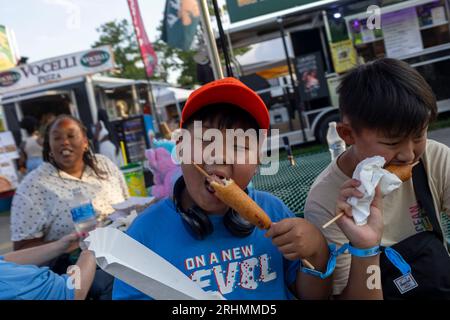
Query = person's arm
x=296 y=239
x=40 y=254
x=361 y=237
x=30 y=243
x=87 y=264
x=357 y=286
x=309 y=287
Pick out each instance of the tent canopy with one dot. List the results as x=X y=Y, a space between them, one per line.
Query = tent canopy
x=165 y=96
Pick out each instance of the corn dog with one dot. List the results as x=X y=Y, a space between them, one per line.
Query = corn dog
x=230 y=193
x=404 y=173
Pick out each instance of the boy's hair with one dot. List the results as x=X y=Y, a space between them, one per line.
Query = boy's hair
x=387 y=95
x=227 y=116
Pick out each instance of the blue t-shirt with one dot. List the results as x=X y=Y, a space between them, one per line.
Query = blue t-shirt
x=27 y=282
x=238 y=268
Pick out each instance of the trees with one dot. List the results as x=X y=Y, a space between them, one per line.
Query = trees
x=120 y=35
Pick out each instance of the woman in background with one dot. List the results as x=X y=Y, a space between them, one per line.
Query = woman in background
x=40 y=211
x=105 y=141
x=31 y=146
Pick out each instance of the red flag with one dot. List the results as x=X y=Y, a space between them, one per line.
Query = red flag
x=147 y=52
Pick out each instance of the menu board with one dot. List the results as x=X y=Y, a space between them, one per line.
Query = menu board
x=8 y=148
x=8 y=171
x=438 y=15
x=401 y=33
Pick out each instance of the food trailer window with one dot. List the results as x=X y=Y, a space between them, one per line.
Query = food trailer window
x=144 y=98
x=47 y=107
x=417 y=32
x=119 y=102
x=124 y=101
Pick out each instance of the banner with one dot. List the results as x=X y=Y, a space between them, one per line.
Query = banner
x=310 y=72
x=147 y=52
x=245 y=9
x=181 y=19
x=57 y=69
x=7 y=59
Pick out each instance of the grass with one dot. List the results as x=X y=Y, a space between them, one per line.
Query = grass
x=443 y=121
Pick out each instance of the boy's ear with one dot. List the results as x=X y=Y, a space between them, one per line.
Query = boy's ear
x=346 y=132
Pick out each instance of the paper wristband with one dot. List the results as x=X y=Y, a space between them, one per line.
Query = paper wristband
x=331 y=265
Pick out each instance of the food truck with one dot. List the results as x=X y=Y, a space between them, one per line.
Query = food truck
x=324 y=40
x=75 y=84
x=60 y=85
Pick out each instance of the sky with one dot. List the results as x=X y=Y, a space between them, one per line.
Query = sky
x=49 y=28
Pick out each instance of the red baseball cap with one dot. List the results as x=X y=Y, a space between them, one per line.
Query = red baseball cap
x=227 y=90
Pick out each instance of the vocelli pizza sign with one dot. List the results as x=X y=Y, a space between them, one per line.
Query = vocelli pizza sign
x=57 y=69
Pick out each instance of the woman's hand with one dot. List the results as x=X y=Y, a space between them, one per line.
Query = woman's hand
x=368 y=235
x=71 y=241
x=296 y=238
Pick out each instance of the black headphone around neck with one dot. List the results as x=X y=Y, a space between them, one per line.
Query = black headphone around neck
x=198 y=223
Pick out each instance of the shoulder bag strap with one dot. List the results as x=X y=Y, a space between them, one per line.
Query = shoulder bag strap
x=424 y=197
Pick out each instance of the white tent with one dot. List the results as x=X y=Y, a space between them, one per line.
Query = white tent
x=166 y=95
x=170 y=95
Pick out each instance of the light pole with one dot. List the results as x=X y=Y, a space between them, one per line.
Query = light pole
x=291 y=75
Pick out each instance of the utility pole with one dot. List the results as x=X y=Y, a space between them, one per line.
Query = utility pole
x=291 y=75
x=210 y=40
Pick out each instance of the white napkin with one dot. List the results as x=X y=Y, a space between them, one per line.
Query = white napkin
x=371 y=173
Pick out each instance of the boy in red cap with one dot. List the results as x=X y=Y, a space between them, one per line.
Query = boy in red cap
x=211 y=243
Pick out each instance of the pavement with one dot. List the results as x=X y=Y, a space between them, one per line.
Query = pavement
x=441 y=135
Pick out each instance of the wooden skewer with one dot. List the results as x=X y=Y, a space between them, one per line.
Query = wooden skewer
x=308 y=264
x=203 y=172
x=333 y=220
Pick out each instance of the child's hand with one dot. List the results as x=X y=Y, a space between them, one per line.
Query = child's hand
x=366 y=236
x=296 y=238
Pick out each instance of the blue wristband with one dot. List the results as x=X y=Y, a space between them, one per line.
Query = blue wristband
x=363 y=253
x=331 y=265
x=334 y=253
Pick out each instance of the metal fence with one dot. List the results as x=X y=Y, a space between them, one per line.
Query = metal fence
x=292 y=183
